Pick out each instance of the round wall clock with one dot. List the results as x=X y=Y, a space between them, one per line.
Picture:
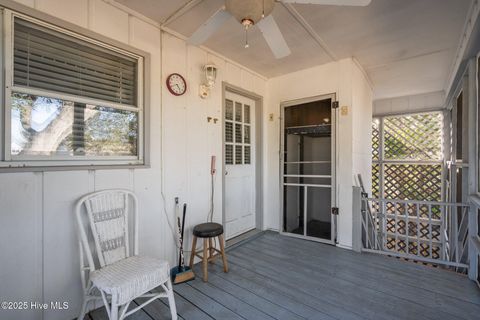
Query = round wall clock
x=176 y=84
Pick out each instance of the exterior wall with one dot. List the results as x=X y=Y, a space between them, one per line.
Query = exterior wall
x=38 y=240
x=362 y=129
x=410 y=104
x=346 y=80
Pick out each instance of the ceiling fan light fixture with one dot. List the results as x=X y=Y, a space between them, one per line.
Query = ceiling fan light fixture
x=247 y=23
x=253 y=10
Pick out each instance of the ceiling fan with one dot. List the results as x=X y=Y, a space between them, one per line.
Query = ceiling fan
x=258 y=12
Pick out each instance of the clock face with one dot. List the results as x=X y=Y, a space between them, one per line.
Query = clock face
x=176 y=84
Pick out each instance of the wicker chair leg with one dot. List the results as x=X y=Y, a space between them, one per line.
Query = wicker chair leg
x=114 y=312
x=83 y=311
x=171 y=300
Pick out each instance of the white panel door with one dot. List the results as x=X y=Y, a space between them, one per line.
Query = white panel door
x=239 y=124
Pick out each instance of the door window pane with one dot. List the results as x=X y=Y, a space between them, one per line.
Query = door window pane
x=228 y=109
x=238 y=154
x=247 y=158
x=228 y=154
x=246 y=113
x=247 y=134
x=238 y=111
x=238 y=133
x=228 y=132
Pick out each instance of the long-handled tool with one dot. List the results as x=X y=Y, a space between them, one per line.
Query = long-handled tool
x=181 y=273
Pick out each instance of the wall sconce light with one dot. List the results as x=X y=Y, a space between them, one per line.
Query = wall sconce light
x=210 y=71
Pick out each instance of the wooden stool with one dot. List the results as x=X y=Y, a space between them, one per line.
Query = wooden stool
x=208 y=231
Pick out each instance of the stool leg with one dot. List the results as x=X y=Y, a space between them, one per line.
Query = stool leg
x=222 y=250
x=192 y=255
x=205 y=260
x=212 y=252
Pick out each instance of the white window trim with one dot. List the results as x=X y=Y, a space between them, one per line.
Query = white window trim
x=64 y=161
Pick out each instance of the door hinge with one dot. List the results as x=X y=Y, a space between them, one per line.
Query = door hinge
x=335 y=211
x=335 y=105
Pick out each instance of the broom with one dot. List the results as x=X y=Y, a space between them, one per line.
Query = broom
x=181 y=273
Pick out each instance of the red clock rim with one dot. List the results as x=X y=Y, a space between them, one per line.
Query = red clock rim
x=170 y=89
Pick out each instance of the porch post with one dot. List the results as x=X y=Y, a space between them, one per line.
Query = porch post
x=473 y=170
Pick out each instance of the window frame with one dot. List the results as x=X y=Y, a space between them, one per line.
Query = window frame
x=142 y=60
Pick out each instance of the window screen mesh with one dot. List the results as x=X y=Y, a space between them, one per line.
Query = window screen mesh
x=48 y=60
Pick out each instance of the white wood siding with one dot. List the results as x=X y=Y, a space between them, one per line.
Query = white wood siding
x=38 y=238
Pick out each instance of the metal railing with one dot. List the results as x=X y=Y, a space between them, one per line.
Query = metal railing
x=427 y=231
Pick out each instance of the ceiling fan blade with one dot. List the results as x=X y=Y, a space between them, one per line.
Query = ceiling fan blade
x=360 y=3
x=209 y=27
x=274 y=37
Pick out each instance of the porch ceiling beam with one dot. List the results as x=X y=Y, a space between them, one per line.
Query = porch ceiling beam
x=291 y=9
x=181 y=11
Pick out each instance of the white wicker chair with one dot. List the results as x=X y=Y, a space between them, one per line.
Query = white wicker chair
x=122 y=276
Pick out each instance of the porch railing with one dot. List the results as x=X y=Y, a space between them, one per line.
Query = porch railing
x=427 y=231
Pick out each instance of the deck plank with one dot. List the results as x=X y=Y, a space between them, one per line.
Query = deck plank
x=430 y=278
x=395 y=265
x=254 y=287
x=157 y=310
x=371 y=302
x=399 y=287
x=187 y=310
x=272 y=310
x=101 y=314
x=230 y=300
x=205 y=303
x=273 y=276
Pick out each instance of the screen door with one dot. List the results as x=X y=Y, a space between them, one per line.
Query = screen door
x=308 y=169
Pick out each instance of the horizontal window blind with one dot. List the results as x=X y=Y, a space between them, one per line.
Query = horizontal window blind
x=49 y=60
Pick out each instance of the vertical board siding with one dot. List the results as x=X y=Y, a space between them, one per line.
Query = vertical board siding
x=21 y=264
x=108 y=20
x=61 y=280
x=73 y=11
x=38 y=238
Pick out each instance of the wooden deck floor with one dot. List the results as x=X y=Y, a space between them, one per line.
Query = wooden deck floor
x=279 y=277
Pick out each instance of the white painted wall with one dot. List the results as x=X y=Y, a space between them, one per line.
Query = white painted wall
x=362 y=127
x=39 y=259
x=410 y=104
x=347 y=80
x=38 y=240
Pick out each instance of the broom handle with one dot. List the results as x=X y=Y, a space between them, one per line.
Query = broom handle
x=183 y=218
x=181 y=261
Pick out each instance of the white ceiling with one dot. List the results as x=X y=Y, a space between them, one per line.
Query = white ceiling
x=406 y=46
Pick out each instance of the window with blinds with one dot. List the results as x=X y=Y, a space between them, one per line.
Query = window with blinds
x=45 y=59
x=71 y=99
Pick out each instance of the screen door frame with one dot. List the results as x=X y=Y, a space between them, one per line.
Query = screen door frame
x=333 y=184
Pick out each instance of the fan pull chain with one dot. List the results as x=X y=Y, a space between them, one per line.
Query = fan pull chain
x=263 y=9
x=246 y=37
